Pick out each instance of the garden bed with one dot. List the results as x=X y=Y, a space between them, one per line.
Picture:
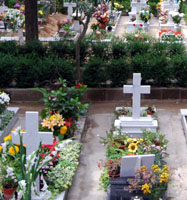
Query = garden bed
x=11 y=123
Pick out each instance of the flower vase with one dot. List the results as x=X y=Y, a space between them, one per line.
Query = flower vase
x=102 y=26
x=20 y=35
x=8 y=193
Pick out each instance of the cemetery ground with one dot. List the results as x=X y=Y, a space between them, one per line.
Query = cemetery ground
x=100 y=117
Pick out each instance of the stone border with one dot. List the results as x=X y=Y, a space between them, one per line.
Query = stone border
x=103 y=94
x=11 y=124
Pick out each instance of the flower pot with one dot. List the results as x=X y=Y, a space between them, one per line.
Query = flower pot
x=8 y=193
x=149 y=113
x=102 y=26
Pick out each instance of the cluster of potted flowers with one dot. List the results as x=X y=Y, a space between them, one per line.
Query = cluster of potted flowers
x=145 y=15
x=170 y=36
x=101 y=15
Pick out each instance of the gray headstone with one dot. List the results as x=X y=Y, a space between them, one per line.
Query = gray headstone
x=130 y=164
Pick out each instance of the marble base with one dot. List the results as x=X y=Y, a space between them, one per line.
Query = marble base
x=184 y=119
x=135 y=127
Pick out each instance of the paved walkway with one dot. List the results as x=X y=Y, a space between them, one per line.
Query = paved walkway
x=86 y=181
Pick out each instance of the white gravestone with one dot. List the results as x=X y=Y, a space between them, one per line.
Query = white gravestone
x=70 y=9
x=33 y=137
x=136 y=124
x=3 y=9
x=130 y=164
x=136 y=89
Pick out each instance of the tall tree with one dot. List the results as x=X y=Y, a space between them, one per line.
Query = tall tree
x=31 y=20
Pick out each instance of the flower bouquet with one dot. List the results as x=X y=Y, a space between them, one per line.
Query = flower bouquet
x=176 y=16
x=122 y=111
x=56 y=124
x=15 y=18
x=101 y=15
x=145 y=15
x=170 y=36
x=4 y=101
x=94 y=26
x=152 y=183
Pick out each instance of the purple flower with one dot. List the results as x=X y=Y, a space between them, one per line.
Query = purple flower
x=17 y=5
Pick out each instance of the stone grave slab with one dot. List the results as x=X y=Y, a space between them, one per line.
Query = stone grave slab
x=11 y=124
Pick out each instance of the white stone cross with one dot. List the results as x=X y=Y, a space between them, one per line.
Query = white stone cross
x=33 y=137
x=136 y=89
x=70 y=9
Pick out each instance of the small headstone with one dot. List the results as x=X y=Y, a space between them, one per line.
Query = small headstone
x=130 y=164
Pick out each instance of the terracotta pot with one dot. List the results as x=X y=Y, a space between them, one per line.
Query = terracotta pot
x=8 y=193
x=102 y=26
x=150 y=113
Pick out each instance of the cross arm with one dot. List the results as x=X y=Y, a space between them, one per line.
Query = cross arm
x=146 y=89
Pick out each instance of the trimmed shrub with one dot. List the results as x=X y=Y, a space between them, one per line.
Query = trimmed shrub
x=9 y=47
x=26 y=72
x=138 y=47
x=180 y=69
x=119 y=49
x=62 y=49
x=7 y=69
x=35 y=48
x=118 y=72
x=94 y=73
x=101 y=50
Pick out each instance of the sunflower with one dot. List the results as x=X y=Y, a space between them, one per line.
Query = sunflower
x=133 y=147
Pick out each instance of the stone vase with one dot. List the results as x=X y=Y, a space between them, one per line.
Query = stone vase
x=20 y=35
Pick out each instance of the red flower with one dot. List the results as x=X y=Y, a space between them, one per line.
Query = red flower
x=79 y=85
x=99 y=165
x=51 y=112
x=142 y=39
x=134 y=24
x=141 y=25
x=67 y=124
x=110 y=161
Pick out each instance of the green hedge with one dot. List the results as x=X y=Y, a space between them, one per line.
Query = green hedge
x=102 y=64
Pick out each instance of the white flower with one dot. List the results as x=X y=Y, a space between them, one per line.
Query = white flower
x=22 y=184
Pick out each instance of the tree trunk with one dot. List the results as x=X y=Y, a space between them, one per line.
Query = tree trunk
x=77 y=50
x=31 y=20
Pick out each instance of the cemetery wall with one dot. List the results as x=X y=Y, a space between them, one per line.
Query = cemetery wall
x=103 y=94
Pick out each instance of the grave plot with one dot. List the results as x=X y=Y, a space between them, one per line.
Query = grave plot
x=45 y=154
x=138 y=17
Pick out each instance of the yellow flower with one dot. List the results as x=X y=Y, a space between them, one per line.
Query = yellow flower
x=133 y=147
x=143 y=168
x=45 y=123
x=164 y=177
x=22 y=8
x=1 y=149
x=63 y=130
x=146 y=188
x=11 y=150
x=52 y=117
x=40 y=12
x=9 y=137
x=155 y=168
x=58 y=116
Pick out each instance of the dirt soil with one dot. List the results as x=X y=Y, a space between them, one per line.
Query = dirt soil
x=49 y=28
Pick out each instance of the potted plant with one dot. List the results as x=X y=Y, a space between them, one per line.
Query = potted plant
x=151 y=183
x=145 y=15
x=123 y=111
x=150 y=110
